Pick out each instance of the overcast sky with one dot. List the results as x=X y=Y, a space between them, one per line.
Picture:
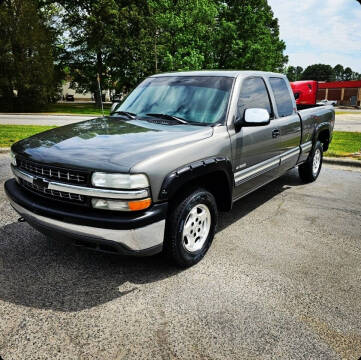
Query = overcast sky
x=320 y=31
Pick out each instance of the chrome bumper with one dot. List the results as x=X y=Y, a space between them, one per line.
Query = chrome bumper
x=136 y=240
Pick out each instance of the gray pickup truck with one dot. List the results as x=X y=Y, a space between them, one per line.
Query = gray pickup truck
x=154 y=174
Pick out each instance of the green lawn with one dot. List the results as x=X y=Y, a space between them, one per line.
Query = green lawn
x=344 y=144
x=70 y=108
x=12 y=133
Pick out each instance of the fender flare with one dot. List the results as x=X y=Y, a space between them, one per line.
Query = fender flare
x=189 y=172
x=318 y=129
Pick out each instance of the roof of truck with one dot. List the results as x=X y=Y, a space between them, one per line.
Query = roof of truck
x=226 y=73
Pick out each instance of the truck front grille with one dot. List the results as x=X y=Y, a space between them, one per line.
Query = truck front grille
x=54 y=194
x=53 y=173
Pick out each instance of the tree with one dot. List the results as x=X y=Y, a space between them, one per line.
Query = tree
x=338 y=70
x=299 y=72
x=126 y=40
x=291 y=73
x=319 y=72
x=247 y=37
x=294 y=73
x=184 y=33
x=347 y=74
x=28 y=78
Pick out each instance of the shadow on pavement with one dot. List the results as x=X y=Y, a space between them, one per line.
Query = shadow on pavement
x=252 y=201
x=46 y=274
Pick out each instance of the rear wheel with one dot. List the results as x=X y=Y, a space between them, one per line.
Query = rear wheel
x=310 y=170
x=191 y=226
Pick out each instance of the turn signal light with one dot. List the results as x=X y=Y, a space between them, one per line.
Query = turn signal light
x=121 y=205
x=139 y=204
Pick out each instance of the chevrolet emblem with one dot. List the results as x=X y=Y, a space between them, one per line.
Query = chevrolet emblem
x=41 y=183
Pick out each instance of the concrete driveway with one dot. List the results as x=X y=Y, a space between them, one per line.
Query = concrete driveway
x=282 y=280
x=348 y=122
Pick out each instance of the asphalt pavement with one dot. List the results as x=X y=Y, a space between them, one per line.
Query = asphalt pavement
x=41 y=119
x=282 y=280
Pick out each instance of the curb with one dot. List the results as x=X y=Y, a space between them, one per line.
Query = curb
x=4 y=150
x=342 y=161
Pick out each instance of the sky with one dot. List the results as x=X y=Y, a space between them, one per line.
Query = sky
x=320 y=31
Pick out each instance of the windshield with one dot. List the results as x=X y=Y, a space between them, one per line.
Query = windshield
x=201 y=99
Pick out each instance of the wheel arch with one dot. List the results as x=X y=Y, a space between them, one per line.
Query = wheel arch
x=323 y=134
x=212 y=174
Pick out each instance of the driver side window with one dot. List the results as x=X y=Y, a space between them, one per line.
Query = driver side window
x=254 y=94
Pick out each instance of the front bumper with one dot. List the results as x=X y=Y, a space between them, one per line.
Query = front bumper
x=130 y=234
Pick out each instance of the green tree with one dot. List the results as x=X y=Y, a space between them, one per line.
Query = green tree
x=28 y=78
x=299 y=72
x=291 y=73
x=126 y=40
x=319 y=72
x=347 y=74
x=247 y=37
x=338 y=70
x=183 y=31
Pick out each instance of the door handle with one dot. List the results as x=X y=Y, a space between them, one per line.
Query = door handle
x=276 y=133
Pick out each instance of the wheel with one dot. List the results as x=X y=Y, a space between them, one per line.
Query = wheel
x=310 y=169
x=190 y=228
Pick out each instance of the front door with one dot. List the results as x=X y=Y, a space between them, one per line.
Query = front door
x=256 y=148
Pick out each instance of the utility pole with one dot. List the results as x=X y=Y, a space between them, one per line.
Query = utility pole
x=155 y=51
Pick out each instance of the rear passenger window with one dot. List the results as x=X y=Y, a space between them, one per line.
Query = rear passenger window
x=282 y=95
x=254 y=94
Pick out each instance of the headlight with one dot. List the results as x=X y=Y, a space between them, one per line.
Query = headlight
x=119 y=181
x=13 y=158
x=121 y=205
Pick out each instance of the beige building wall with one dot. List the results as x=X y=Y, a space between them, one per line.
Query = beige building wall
x=81 y=96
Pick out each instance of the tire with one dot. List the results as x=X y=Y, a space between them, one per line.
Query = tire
x=310 y=169
x=190 y=228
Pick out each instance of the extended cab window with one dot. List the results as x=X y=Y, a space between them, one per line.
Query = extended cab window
x=282 y=95
x=254 y=94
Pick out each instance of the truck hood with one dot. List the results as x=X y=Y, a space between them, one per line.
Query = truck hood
x=107 y=144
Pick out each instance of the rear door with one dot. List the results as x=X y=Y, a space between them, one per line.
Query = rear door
x=257 y=148
x=288 y=122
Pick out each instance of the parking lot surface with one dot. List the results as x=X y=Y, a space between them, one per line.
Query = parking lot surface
x=282 y=280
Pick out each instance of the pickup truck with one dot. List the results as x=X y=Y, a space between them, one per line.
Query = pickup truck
x=153 y=176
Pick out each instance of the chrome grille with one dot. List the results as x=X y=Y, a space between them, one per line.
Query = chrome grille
x=54 y=194
x=53 y=173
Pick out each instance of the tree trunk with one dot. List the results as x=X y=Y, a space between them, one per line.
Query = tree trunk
x=99 y=66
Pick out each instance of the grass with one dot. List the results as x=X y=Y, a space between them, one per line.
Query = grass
x=346 y=112
x=344 y=144
x=70 y=108
x=10 y=134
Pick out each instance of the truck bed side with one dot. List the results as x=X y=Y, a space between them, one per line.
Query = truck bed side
x=317 y=123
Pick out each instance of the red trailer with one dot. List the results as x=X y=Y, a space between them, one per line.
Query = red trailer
x=305 y=92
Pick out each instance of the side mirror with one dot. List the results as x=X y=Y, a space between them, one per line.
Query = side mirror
x=256 y=117
x=114 y=105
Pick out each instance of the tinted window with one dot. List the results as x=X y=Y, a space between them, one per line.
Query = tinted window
x=254 y=94
x=282 y=96
x=201 y=99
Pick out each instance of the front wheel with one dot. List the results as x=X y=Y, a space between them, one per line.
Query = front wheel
x=190 y=228
x=310 y=169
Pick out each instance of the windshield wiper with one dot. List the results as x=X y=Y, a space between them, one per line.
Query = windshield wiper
x=169 y=117
x=128 y=114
